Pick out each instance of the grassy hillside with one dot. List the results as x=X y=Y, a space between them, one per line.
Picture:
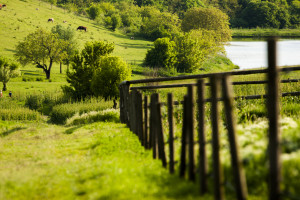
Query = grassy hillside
x=22 y=17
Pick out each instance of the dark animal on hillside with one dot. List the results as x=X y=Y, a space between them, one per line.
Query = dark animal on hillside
x=82 y=28
x=51 y=20
x=132 y=38
x=4 y=5
x=37 y=8
x=64 y=21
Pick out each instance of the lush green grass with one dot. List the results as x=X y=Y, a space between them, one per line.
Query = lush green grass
x=260 y=32
x=96 y=161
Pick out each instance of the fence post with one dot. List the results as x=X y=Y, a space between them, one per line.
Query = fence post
x=139 y=116
x=146 y=142
x=217 y=172
x=153 y=124
x=273 y=115
x=182 y=166
x=190 y=132
x=171 y=132
x=201 y=137
x=124 y=102
x=160 y=135
x=238 y=173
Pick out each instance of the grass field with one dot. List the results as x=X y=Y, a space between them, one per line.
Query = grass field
x=96 y=161
x=86 y=159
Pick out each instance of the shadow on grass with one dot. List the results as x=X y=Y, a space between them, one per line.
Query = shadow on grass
x=72 y=130
x=11 y=50
x=6 y=133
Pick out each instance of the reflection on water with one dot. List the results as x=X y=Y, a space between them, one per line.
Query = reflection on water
x=253 y=54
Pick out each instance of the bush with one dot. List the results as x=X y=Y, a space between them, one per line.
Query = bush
x=60 y=113
x=109 y=115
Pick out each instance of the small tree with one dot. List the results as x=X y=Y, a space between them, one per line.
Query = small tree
x=94 y=11
x=106 y=80
x=68 y=35
x=211 y=19
x=39 y=48
x=8 y=70
x=162 y=55
x=194 y=47
x=84 y=65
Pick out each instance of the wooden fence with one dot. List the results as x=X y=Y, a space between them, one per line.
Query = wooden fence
x=134 y=111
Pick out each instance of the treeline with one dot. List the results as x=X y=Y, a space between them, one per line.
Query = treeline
x=242 y=13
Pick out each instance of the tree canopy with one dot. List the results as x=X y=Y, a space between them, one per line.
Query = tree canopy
x=8 y=70
x=211 y=19
x=84 y=65
x=41 y=49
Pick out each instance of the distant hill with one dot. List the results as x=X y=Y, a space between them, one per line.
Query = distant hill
x=21 y=17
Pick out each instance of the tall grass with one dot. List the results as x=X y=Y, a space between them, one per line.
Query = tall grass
x=60 y=113
x=11 y=110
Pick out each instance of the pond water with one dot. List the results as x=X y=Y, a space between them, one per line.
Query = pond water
x=253 y=54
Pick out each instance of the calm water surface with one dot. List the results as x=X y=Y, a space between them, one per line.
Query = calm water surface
x=253 y=54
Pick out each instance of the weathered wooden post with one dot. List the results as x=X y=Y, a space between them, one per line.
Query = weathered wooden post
x=238 y=173
x=124 y=102
x=133 y=111
x=201 y=137
x=217 y=171
x=153 y=124
x=190 y=133
x=160 y=135
x=139 y=116
x=146 y=142
x=273 y=115
x=182 y=165
x=171 y=133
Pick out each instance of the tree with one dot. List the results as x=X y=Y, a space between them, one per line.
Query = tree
x=93 y=11
x=39 y=48
x=68 y=35
x=194 y=48
x=158 y=25
x=84 y=65
x=107 y=78
x=162 y=55
x=266 y=15
x=211 y=19
x=8 y=70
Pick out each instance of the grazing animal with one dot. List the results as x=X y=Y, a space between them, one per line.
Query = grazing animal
x=82 y=28
x=64 y=21
x=51 y=20
x=4 y=5
x=37 y=8
x=132 y=38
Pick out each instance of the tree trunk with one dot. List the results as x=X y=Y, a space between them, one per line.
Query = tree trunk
x=4 y=86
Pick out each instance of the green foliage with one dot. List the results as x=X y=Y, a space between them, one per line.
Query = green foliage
x=194 y=48
x=41 y=47
x=83 y=67
x=113 y=22
x=108 y=115
x=107 y=78
x=10 y=110
x=68 y=35
x=94 y=11
x=266 y=15
x=157 y=25
x=60 y=113
x=211 y=19
x=8 y=70
x=162 y=55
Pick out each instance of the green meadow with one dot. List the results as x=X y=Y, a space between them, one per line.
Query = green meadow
x=53 y=148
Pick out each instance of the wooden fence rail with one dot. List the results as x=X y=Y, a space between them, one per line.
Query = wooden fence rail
x=140 y=116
